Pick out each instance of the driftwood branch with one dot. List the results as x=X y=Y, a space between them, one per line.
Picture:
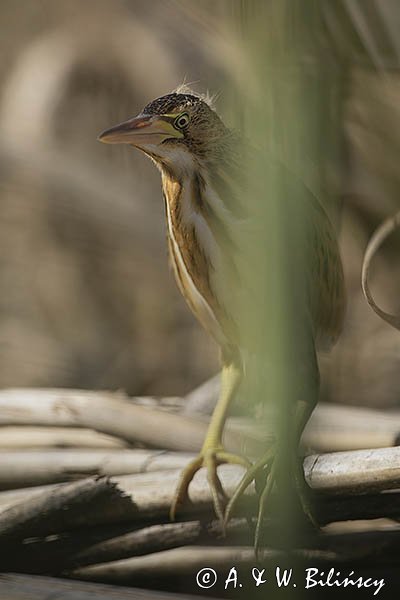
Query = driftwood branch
x=30 y=468
x=84 y=547
x=114 y=415
x=129 y=498
x=331 y=427
x=69 y=550
x=360 y=471
x=175 y=563
x=56 y=509
x=369 y=548
x=334 y=427
x=154 y=538
x=56 y=437
x=116 y=528
x=143 y=497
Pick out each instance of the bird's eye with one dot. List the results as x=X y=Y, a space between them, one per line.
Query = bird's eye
x=182 y=121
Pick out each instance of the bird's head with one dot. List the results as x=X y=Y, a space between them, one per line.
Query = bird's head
x=172 y=129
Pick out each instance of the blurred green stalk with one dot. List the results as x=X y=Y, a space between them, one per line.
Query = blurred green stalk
x=287 y=87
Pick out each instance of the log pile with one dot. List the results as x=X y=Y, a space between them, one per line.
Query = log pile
x=87 y=478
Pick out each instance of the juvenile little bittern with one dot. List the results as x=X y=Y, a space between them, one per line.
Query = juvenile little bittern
x=200 y=170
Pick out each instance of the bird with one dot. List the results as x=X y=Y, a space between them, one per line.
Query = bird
x=209 y=221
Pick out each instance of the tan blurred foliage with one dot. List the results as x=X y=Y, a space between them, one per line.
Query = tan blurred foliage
x=87 y=299
x=365 y=365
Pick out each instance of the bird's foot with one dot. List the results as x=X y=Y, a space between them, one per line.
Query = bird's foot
x=267 y=473
x=210 y=457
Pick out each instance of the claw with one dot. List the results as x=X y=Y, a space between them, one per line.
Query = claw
x=242 y=487
x=248 y=477
x=210 y=458
x=181 y=494
x=217 y=491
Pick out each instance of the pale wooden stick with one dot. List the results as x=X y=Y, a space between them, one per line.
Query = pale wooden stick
x=112 y=414
x=131 y=498
x=139 y=498
x=356 y=472
x=332 y=427
x=10 y=497
x=359 y=471
x=56 y=437
x=22 y=469
x=203 y=399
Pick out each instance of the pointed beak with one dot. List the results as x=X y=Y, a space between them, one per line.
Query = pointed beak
x=143 y=129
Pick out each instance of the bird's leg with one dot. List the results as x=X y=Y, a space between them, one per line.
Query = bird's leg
x=286 y=462
x=278 y=461
x=213 y=453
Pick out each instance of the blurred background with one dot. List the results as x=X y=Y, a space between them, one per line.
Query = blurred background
x=87 y=298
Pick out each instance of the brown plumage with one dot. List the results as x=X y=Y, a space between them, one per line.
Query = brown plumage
x=211 y=223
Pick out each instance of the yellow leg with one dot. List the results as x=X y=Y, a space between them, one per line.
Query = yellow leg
x=212 y=453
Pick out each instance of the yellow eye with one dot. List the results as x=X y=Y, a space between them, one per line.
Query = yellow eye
x=182 y=121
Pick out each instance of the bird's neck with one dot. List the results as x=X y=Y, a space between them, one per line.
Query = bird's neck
x=201 y=233
x=185 y=204
x=201 y=199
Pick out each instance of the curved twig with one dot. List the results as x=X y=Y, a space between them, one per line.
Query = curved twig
x=377 y=239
